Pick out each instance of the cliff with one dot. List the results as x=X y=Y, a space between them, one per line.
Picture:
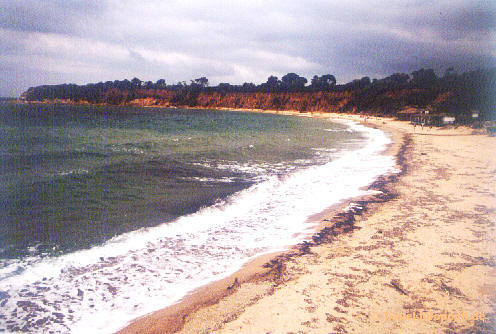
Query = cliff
x=453 y=94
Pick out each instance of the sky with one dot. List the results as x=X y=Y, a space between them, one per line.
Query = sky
x=70 y=41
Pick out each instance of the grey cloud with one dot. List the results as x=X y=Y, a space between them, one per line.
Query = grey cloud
x=475 y=19
x=240 y=41
x=50 y=16
x=454 y=19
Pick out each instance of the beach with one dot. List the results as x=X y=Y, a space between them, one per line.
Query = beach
x=418 y=256
x=126 y=210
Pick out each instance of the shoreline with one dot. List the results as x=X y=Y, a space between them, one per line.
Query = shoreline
x=308 y=228
x=424 y=246
x=266 y=270
x=429 y=249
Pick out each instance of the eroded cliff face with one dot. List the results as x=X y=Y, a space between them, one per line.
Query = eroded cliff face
x=301 y=101
x=454 y=94
x=387 y=102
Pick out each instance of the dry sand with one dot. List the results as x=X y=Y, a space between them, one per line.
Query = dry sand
x=425 y=245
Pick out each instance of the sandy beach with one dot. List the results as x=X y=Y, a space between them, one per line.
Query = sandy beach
x=416 y=257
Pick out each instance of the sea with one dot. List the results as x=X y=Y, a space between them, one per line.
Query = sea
x=110 y=213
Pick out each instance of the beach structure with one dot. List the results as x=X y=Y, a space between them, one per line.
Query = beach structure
x=432 y=119
x=426 y=117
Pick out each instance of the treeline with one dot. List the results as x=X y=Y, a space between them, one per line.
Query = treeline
x=452 y=93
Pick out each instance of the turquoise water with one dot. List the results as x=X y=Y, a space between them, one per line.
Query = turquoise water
x=112 y=212
x=72 y=177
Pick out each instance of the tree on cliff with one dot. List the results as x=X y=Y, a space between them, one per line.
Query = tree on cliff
x=325 y=82
x=457 y=94
x=423 y=78
x=124 y=84
x=397 y=79
x=202 y=82
x=160 y=84
x=148 y=85
x=272 y=84
x=136 y=83
x=224 y=87
x=249 y=87
x=293 y=82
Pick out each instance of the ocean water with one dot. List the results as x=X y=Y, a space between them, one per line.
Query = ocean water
x=109 y=213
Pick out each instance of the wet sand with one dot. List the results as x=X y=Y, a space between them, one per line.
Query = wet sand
x=424 y=245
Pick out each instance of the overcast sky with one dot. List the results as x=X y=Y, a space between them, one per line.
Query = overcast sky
x=61 y=41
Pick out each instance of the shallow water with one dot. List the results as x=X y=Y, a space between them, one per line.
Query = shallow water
x=110 y=213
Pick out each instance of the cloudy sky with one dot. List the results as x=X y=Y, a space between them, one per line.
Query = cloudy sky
x=59 y=41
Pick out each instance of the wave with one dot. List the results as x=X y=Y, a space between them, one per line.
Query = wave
x=145 y=270
x=215 y=180
x=339 y=130
x=77 y=171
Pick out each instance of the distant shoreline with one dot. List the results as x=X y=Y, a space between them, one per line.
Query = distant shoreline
x=458 y=95
x=292 y=112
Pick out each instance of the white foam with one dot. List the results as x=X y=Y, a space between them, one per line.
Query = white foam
x=73 y=172
x=212 y=180
x=145 y=270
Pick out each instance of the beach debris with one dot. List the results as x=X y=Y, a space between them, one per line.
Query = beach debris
x=331 y=318
x=305 y=247
x=111 y=289
x=4 y=295
x=450 y=290
x=28 y=305
x=395 y=283
x=234 y=285
x=277 y=267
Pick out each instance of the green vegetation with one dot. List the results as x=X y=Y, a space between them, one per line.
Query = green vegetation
x=452 y=93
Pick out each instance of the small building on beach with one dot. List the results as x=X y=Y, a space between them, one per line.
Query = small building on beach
x=418 y=116
x=432 y=119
